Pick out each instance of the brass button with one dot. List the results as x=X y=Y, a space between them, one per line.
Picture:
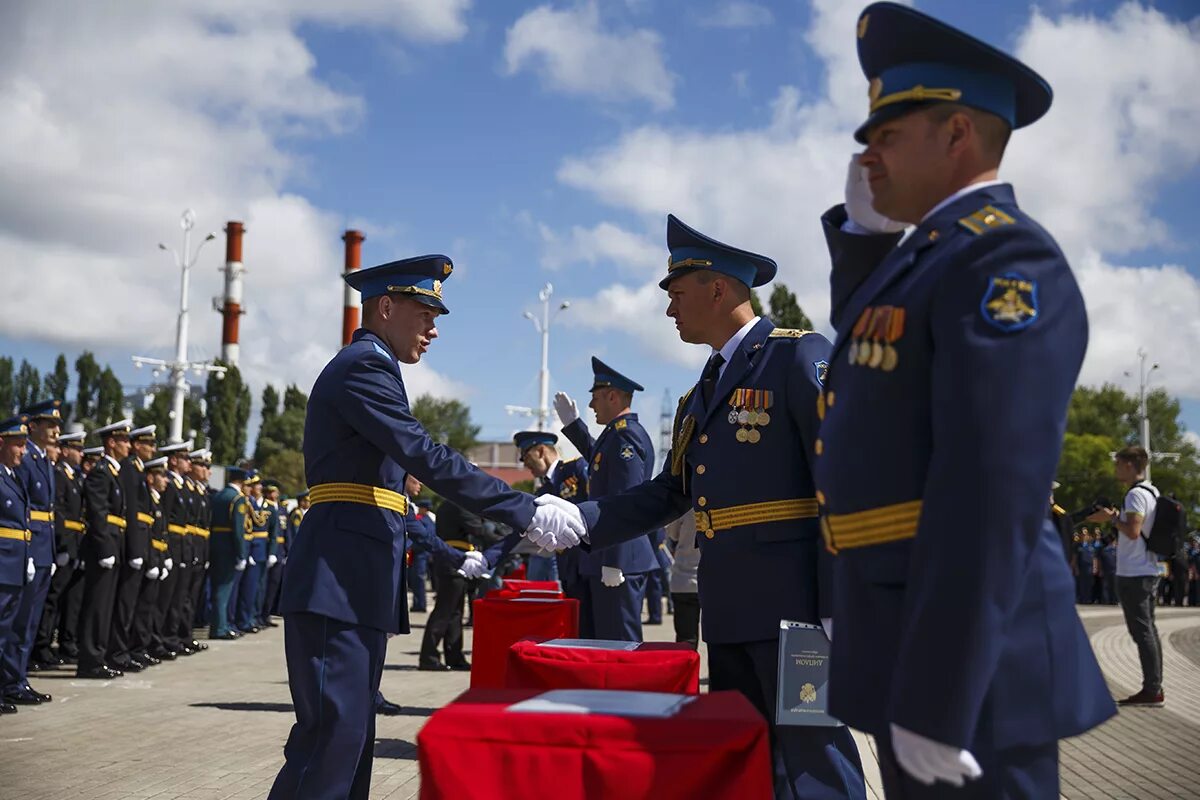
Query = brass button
x=829 y=400
x=709 y=534
x=700 y=470
x=704 y=438
x=702 y=502
x=821 y=406
x=819 y=447
x=820 y=497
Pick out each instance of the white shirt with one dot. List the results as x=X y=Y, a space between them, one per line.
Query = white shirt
x=549 y=476
x=730 y=347
x=966 y=190
x=116 y=464
x=1133 y=560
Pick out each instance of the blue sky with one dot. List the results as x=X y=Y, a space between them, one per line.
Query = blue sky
x=536 y=143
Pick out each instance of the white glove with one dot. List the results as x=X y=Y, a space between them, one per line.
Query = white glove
x=105 y=563
x=135 y=563
x=206 y=565
x=556 y=524
x=168 y=564
x=62 y=558
x=272 y=560
x=250 y=560
x=473 y=566
x=152 y=573
x=858 y=202
x=240 y=565
x=611 y=577
x=30 y=570
x=79 y=565
x=53 y=569
x=928 y=761
x=164 y=574
x=827 y=624
x=565 y=407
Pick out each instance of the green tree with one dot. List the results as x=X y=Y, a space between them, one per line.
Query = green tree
x=448 y=422
x=786 y=311
x=8 y=394
x=87 y=372
x=756 y=304
x=109 y=398
x=28 y=384
x=241 y=431
x=284 y=430
x=270 y=403
x=224 y=426
x=55 y=384
x=287 y=467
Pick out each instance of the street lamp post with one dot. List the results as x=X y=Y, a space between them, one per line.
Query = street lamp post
x=542 y=326
x=180 y=366
x=1143 y=378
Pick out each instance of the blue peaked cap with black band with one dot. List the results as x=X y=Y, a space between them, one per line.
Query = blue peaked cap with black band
x=605 y=377
x=420 y=278
x=527 y=439
x=47 y=409
x=913 y=60
x=15 y=426
x=691 y=250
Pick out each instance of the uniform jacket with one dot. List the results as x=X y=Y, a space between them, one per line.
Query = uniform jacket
x=14 y=517
x=570 y=482
x=203 y=522
x=192 y=540
x=955 y=610
x=102 y=499
x=347 y=561
x=260 y=529
x=621 y=457
x=177 y=512
x=230 y=511
x=37 y=474
x=762 y=564
x=68 y=509
x=139 y=516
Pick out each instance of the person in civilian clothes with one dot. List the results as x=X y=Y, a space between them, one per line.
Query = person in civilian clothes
x=744 y=447
x=277 y=538
x=958 y=645
x=228 y=551
x=15 y=565
x=36 y=472
x=565 y=479
x=142 y=639
x=138 y=520
x=68 y=530
x=104 y=502
x=175 y=509
x=343 y=588
x=621 y=457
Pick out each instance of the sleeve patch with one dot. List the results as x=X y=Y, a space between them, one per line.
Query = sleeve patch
x=627 y=453
x=1010 y=302
x=822 y=369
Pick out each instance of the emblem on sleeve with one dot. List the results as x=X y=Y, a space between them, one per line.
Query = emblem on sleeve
x=627 y=453
x=822 y=369
x=1010 y=302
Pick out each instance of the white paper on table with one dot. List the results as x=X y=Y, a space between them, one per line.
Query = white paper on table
x=605 y=701
x=553 y=592
x=534 y=599
x=592 y=644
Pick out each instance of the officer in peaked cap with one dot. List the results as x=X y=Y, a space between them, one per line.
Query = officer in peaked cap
x=145 y=633
x=201 y=471
x=343 y=588
x=139 y=519
x=272 y=573
x=958 y=646
x=744 y=442
x=228 y=550
x=66 y=582
x=566 y=479
x=614 y=578
x=15 y=567
x=176 y=510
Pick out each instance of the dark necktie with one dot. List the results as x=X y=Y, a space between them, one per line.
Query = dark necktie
x=708 y=379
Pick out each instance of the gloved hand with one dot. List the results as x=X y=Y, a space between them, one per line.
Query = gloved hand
x=135 y=563
x=62 y=558
x=164 y=574
x=556 y=524
x=240 y=566
x=250 y=560
x=168 y=564
x=611 y=577
x=152 y=573
x=272 y=560
x=565 y=407
x=79 y=565
x=30 y=570
x=53 y=569
x=858 y=202
x=928 y=761
x=105 y=563
x=206 y=565
x=473 y=566
x=827 y=624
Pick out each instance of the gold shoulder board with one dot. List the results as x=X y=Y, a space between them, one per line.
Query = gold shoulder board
x=985 y=219
x=787 y=333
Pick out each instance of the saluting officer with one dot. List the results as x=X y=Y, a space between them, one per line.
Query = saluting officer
x=15 y=568
x=175 y=510
x=744 y=441
x=228 y=550
x=566 y=479
x=138 y=520
x=958 y=645
x=614 y=584
x=68 y=530
x=104 y=502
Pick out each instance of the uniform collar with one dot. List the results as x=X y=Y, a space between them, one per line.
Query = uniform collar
x=157 y=497
x=553 y=468
x=730 y=347
x=963 y=192
x=30 y=445
x=115 y=464
x=376 y=340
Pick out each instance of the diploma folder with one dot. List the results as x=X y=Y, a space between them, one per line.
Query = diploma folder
x=803 y=696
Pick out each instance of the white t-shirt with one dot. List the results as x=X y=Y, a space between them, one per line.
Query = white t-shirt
x=1133 y=560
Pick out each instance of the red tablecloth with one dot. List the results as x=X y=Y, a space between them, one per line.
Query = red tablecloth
x=652 y=667
x=715 y=748
x=518 y=585
x=500 y=622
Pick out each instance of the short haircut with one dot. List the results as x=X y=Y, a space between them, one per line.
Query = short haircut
x=738 y=289
x=1136 y=455
x=994 y=132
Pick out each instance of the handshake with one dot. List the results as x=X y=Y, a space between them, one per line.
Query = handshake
x=557 y=524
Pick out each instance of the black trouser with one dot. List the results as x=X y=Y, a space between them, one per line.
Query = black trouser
x=1179 y=581
x=52 y=612
x=71 y=603
x=145 y=618
x=186 y=603
x=271 y=599
x=1137 y=601
x=129 y=584
x=168 y=609
x=445 y=621
x=95 y=617
x=687 y=617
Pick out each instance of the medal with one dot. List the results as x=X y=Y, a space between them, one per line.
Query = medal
x=752 y=417
x=743 y=417
x=733 y=416
x=740 y=435
x=752 y=436
x=890 y=358
x=895 y=329
x=876 y=355
x=853 y=355
x=764 y=419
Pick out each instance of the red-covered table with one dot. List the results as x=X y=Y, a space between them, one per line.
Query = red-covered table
x=518 y=585
x=715 y=747
x=652 y=667
x=499 y=622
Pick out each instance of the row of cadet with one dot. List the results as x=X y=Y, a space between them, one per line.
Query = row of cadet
x=111 y=555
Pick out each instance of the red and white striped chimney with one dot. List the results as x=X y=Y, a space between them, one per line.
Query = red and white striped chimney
x=350 y=311
x=231 y=305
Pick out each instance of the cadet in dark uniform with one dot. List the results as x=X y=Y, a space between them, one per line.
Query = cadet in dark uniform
x=622 y=456
x=15 y=569
x=418 y=569
x=228 y=550
x=191 y=579
x=463 y=531
x=565 y=479
x=958 y=645
x=146 y=615
x=175 y=509
x=277 y=539
x=139 y=518
x=743 y=446
x=343 y=588
x=68 y=530
x=103 y=547
x=201 y=465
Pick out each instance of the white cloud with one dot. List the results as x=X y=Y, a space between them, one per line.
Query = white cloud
x=604 y=243
x=573 y=53
x=737 y=14
x=1122 y=129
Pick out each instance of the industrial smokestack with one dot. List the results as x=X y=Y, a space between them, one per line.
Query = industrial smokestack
x=353 y=240
x=230 y=305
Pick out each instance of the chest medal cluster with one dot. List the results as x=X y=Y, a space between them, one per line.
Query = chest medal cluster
x=750 y=411
x=874 y=338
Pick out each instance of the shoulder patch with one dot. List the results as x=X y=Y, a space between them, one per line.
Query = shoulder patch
x=1010 y=302
x=985 y=219
x=787 y=333
x=627 y=453
x=239 y=505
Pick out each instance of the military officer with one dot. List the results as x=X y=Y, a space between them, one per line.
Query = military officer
x=958 y=645
x=67 y=581
x=566 y=479
x=138 y=520
x=104 y=502
x=15 y=567
x=614 y=585
x=147 y=623
x=228 y=550
x=191 y=580
x=176 y=511
x=343 y=588
x=91 y=457
x=250 y=585
x=276 y=539
x=201 y=470
x=744 y=442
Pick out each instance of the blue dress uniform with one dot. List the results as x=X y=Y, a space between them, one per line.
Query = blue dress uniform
x=343 y=587
x=418 y=570
x=740 y=461
x=621 y=457
x=250 y=587
x=944 y=412
x=14 y=541
x=568 y=480
x=227 y=546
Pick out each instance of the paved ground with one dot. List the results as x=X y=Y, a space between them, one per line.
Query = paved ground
x=211 y=727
